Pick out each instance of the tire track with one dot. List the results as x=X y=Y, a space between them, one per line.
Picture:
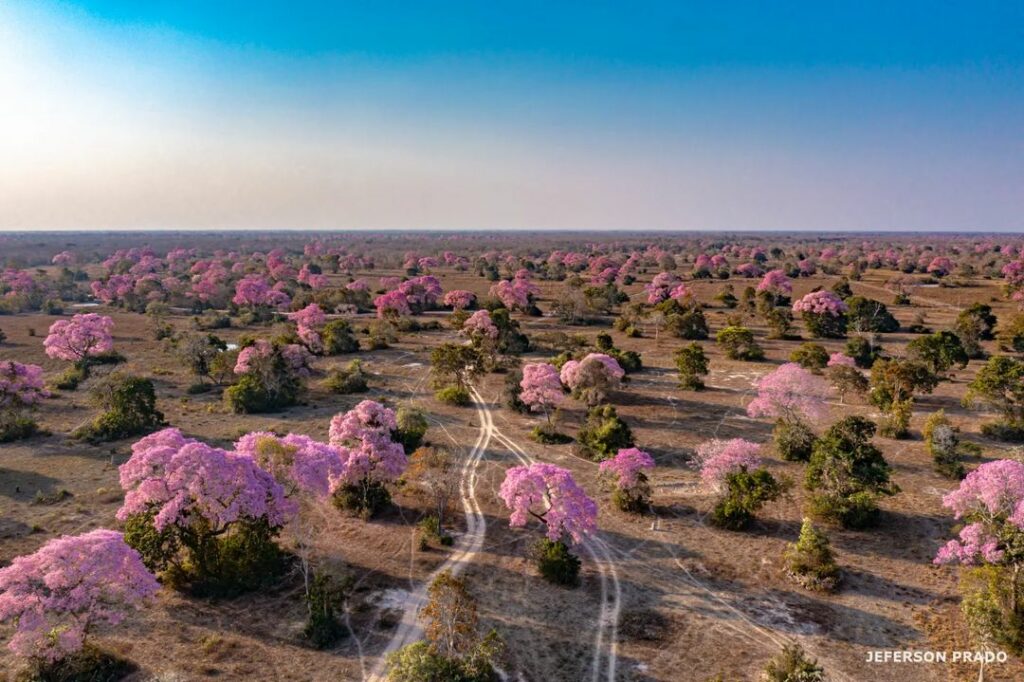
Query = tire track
x=409 y=629
x=600 y=553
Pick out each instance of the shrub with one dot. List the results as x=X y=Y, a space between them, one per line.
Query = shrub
x=453 y=395
x=412 y=426
x=812 y=356
x=793 y=440
x=738 y=344
x=846 y=474
x=271 y=377
x=338 y=339
x=863 y=351
x=896 y=424
x=71 y=378
x=363 y=500
x=513 y=392
x=556 y=563
x=548 y=435
x=792 y=665
x=689 y=324
x=350 y=379
x=809 y=561
x=943 y=442
x=17 y=427
x=322 y=600
x=867 y=315
x=129 y=405
x=692 y=365
x=1011 y=336
x=989 y=606
x=745 y=493
x=603 y=434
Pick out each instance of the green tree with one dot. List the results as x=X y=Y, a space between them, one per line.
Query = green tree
x=939 y=351
x=692 y=365
x=738 y=344
x=847 y=473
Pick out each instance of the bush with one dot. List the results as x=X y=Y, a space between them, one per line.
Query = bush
x=603 y=434
x=69 y=379
x=689 y=324
x=943 y=442
x=350 y=379
x=453 y=395
x=635 y=500
x=811 y=356
x=863 y=352
x=249 y=395
x=692 y=365
x=738 y=344
x=88 y=664
x=211 y=321
x=792 y=665
x=412 y=426
x=793 y=440
x=338 y=339
x=846 y=473
x=990 y=607
x=363 y=500
x=556 y=563
x=16 y=427
x=129 y=405
x=512 y=391
x=746 y=492
x=867 y=315
x=810 y=562
x=896 y=424
x=242 y=560
x=322 y=626
x=546 y=434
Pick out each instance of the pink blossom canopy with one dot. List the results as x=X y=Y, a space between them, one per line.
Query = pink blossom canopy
x=549 y=493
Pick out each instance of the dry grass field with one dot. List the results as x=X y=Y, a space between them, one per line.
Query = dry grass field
x=664 y=596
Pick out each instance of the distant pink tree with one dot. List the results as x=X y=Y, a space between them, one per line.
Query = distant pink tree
x=791 y=393
x=549 y=494
x=823 y=313
x=64 y=258
x=840 y=360
x=55 y=596
x=480 y=328
x=21 y=385
x=459 y=299
x=253 y=291
x=660 y=287
x=776 y=284
x=391 y=305
x=308 y=324
x=514 y=294
x=593 y=377
x=719 y=458
x=82 y=337
x=541 y=387
x=940 y=266
x=628 y=466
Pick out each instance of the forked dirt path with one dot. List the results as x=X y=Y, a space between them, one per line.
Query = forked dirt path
x=409 y=630
x=603 y=665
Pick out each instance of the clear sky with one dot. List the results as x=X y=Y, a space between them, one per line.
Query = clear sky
x=196 y=114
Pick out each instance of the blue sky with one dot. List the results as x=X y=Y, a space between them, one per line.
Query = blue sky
x=769 y=115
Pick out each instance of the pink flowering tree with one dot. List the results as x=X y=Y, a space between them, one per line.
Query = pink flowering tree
x=21 y=387
x=54 y=597
x=627 y=470
x=481 y=330
x=305 y=469
x=660 y=287
x=823 y=313
x=775 y=287
x=270 y=376
x=592 y=378
x=990 y=504
x=541 y=388
x=515 y=294
x=256 y=294
x=794 y=396
x=375 y=459
x=82 y=337
x=309 y=324
x=392 y=305
x=732 y=469
x=549 y=494
x=459 y=299
x=187 y=504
